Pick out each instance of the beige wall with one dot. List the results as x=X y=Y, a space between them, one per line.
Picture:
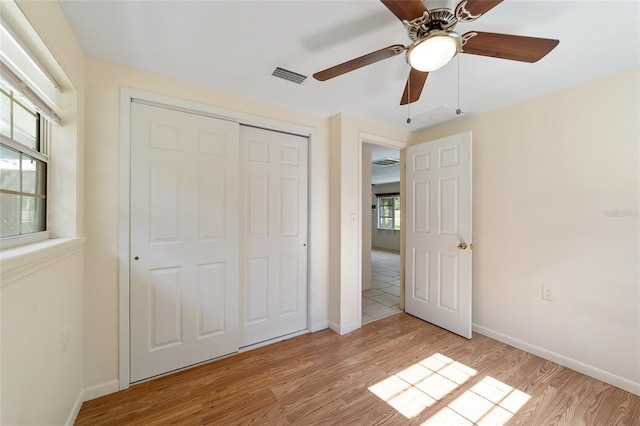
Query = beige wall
x=556 y=198
x=42 y=288
x=348 y=134
x=335 y=228
x=41 y=380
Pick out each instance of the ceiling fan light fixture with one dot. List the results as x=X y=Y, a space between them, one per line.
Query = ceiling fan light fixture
x=434 y=50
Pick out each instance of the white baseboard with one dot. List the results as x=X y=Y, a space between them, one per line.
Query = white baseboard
x=576 y=365
x=320 y=325
x=102 y=389
x=344 y=330
x=71 y=419
x=88 y=394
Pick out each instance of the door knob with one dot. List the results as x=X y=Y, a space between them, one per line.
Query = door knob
x=462 y=245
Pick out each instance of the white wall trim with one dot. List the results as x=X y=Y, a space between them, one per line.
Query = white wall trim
x=75 y=410
x=320 y=325
x=311 y=297
x=124 y=237
x=19 y=262
x=344 y=330
x=99 y=390
x=576 y=365
x=212 y=111
x=351 y=327
x=126 y=97
x=87 y=394
x=381 y=140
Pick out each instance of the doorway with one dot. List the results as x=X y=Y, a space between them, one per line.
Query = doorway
x=381 y=236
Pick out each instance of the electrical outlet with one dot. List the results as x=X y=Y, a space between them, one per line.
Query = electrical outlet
x=65 y=338
x=547 y=294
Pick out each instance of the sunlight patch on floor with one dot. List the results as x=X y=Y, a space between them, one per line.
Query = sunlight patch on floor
x=412 y=390
x=419 y=386
x=489 y=402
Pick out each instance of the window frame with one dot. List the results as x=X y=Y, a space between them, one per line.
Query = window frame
x=395 y=214
x=37 y=75
x=40 y=153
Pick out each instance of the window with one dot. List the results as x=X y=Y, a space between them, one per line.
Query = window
x=389 y=211
x=23 y=166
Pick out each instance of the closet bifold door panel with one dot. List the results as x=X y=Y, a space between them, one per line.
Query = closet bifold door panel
x=184 y=240
x=273 y=234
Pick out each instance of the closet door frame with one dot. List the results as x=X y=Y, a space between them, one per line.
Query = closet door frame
x=127 y=95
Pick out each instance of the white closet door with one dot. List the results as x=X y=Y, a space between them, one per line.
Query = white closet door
x=184 y=240
x=274 y=234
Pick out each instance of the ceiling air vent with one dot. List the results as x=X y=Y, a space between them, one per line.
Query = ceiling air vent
x=386 y=162
x=294 y=77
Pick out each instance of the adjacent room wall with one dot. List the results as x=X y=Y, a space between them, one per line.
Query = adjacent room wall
x=556 y=186
x=386 y=239
x=366 y=219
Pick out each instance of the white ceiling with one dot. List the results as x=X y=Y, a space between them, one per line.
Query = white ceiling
x=234 y=46
x=383 y=174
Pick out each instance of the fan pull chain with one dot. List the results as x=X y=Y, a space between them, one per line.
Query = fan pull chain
x=409 y=99
x=458 y=110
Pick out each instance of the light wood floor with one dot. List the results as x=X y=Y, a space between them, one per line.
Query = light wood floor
x=398 y=370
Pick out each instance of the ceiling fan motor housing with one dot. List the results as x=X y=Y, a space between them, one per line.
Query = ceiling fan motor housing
x=434 y=20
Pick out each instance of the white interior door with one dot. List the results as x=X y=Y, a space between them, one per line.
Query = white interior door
x=438 y=232
x=274 y=234
x=184 y=240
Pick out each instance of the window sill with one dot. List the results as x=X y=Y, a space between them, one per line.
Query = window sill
x=18 y=262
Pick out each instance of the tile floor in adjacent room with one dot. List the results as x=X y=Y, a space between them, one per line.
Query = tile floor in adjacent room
x=383 y=298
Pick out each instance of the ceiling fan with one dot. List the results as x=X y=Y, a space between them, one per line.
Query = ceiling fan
x=435 y=43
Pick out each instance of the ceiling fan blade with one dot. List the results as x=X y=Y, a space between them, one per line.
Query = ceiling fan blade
x=477 y=8
x=360 y=62
x=405 y=9
x=414 y=86
x=508 y=46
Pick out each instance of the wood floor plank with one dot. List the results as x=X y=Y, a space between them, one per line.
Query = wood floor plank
x=395 y=371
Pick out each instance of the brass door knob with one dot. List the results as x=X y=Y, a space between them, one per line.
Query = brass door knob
x=462 y=245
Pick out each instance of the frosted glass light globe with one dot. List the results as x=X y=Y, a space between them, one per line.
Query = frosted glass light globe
x=434 y=51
